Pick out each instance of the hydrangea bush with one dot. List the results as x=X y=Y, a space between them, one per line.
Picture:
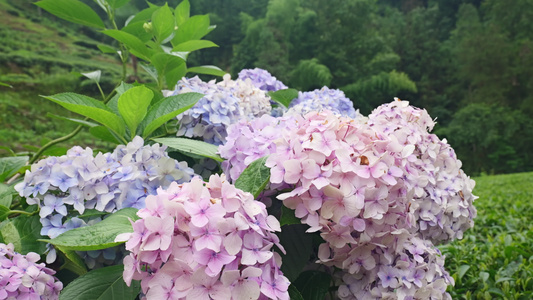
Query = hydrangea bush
x=313 y=200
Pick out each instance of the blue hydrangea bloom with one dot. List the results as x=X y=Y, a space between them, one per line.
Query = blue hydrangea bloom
x=262 y=79
x=323 y=99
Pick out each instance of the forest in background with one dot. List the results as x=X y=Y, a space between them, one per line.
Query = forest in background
x=468 y=62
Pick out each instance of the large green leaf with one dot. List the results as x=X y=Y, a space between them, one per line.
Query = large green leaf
x=166 y=109
x=6 y=194
x=144 y=15
x=208 y=70
x=299 y=247
x=254 y=178
x=23 y=231
x=170 y=67
x=294 y=293
x=284 y=97
x=163 y=23
x=98 y=236
x=117 y=3
x=194 y=45
x=101 y=284
x=195 y=28
x=4 y=212
x=73 y=11
x=135 y=45
x=182 y=12
x=73 y=261
x=133 y=105
x=91 y=108
x=137 y=29
x=188 y=146
x=104 y=134
x=288 y=217
x=313 y=285
x=10 y=165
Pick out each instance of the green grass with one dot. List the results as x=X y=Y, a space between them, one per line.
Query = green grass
x=495 y=258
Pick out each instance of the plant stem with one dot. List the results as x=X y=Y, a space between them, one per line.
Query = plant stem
x=21 y=212
x=53 y=142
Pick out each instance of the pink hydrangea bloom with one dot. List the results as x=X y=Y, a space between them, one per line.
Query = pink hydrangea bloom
x=21 y=277
x=205 y=240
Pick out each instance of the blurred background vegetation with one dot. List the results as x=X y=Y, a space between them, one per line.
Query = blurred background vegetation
x=468 y=62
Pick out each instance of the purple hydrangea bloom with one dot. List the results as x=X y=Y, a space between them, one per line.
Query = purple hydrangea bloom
x=21 y=277
x=262 y=79
x=323 y=99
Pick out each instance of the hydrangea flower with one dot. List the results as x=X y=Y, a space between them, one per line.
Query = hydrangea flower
x=249 y=140
x=223 y=104
x=253 y=102
x=106 y=182
x=262 y=79
x=323 y=99
x=204 y=240
x=443 y=200
x=408 y=267
x=21 y=277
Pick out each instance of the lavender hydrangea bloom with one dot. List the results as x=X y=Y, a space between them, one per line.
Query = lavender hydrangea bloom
x=323 y=99
x=262 y=79
x=210 y=117
x=21 y=277
x=105 y=182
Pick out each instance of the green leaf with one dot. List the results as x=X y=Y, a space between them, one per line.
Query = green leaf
x=23 y=231
x=208 y=70
x=73 y=261
x=117 y=3
x=104 y=134
x=187 y=146
x=134 y=44
x=169 y=66
x=163 y=23
x=313 y=285
x=144 y=15
x=182 y=12
x=194 y=45
x=294 y=293
x=73 y=11
x=288 y=217
x=195 y=28
x=10 y=165
x=166 y=109
x=98 y=236
x=91 y=108
x=73 y=120
x=107 y=49
x=137 y=29
x=299 y=247
x=6 y=194
x=254 y=178
x=4 y=212
x=101 y=284
x=5 y=84
x=284 y=97
x=133 y=105
x=462 y=270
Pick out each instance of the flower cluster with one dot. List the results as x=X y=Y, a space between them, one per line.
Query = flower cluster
x=323 y=99
x=21 y=277
x=205 y=240
x=407 y=268
x=250 y=140
x=210 y=116
x=365 y=180
x=442 y=192
x=262 y=79
x=253 y=102
x=223 y=104
x=64 y=187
